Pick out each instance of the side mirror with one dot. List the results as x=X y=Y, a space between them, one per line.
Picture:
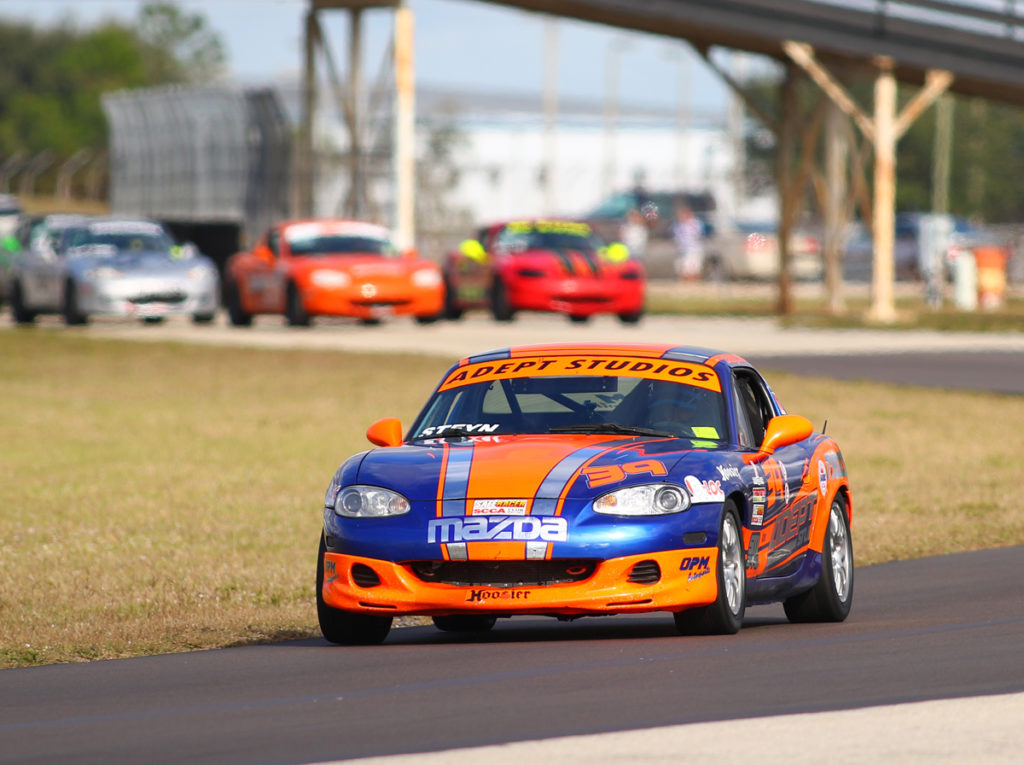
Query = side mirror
x=412 y=253
x=473 y=250
x=784 y=430
x=263 y=252
x=616 y=252
x=386 y=432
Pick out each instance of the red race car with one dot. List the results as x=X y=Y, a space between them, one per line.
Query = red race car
x=549 y=264
x=331 y=267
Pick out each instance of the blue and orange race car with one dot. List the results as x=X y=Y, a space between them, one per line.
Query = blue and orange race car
x=584 y=479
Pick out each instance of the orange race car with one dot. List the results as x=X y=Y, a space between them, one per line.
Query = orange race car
x=331 y=267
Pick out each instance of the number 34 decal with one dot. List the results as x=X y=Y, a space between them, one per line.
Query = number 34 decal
x=601 y=476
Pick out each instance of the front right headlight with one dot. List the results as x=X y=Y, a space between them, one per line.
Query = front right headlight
x=369 y=502
x=646 y=499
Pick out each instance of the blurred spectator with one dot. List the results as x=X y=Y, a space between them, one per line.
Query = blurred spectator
x=687 y=234
x=633 y=233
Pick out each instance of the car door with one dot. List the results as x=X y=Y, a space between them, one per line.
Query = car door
x=471 y=273
x=783 y=525
x=261 y=282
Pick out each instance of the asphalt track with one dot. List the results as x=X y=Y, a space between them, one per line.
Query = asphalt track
x=928 y=667
x=923 y=630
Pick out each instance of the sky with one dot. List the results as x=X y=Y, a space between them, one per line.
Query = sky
x=460 y=44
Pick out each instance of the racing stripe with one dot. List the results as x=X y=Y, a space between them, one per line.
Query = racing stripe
x=455 y=468
x=563 y=256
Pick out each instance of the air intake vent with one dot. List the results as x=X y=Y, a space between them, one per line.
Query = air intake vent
x=645 y=572
x=364 y=576
x=503 y=573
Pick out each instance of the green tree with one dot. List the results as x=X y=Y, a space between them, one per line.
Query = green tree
x=195 y=52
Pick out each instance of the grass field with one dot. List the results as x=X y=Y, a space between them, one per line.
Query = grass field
x=162 y=497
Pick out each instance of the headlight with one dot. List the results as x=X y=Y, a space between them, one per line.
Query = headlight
x=369 y=502
x=105 y=272
x=426 y=277
x=649 y=499
x=330 y=279
x=199 y=272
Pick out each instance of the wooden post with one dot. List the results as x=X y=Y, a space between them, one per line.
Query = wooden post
x=835 y=218
x=788 y=194
x=883 y=307
x=405 y=128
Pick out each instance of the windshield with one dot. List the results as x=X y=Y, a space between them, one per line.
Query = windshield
x=547 y=235
x=582 y=394
x=124 y=237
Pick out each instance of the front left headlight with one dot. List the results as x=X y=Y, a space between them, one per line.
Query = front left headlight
x=102 y=273
x=426 y=277
x=369 y=502
x=195 y=273
x=328 y=279
x=647 y=499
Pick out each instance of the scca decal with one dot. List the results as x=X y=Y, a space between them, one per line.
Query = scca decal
x=497 y=529
x=656 y=369
x=600 y=476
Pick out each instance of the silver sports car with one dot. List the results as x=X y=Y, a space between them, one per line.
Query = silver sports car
x=115 y=267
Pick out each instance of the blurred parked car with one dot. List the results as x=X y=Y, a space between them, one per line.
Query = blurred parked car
x=548 y=264
x=859 y=248
x=80 y=267
x=331 y=267
x=658 y=207
x=744 y=249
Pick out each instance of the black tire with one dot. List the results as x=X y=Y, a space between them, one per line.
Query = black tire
x=501 y=309
x=153 y=319
x=295 y=311
x=19 y=311
x=577 y=319
x=452 y=311
x=725 y=615
x=233 y=300
x=831 y=598
x=345 y=627
x=371 y=322
x=202 y=318
x=465 y=623
x=72 y=315
x=631 y=318
x=428 y=319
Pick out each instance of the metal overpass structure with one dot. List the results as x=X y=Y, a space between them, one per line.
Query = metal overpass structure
x=969 y=47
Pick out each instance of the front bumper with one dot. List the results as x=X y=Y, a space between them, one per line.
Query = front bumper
x=578 y=296
x=148 y=298
x=686 y=578
x=373 y=301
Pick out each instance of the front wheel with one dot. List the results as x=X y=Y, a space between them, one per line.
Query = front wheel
x=72 y=315
x=20 y=311
x=725 y=615
x=202 y=318
x=238 y=316
x=831 y=598
x=295 y=311
x=345 y=627
x=633 y=317
x=501 y=308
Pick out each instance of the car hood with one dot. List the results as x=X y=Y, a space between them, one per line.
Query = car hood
x=362 y=266
x=518 y=467
x=139 y=263
x=577 y=263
